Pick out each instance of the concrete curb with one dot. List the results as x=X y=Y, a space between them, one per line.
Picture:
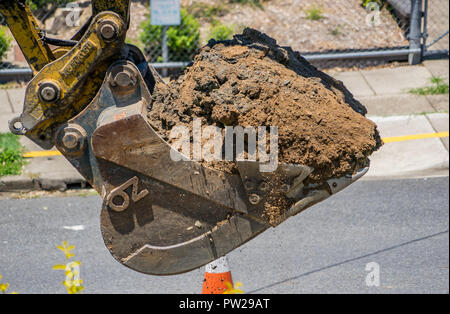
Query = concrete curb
x=24 y=183
x=20 y=183
x=413 y=158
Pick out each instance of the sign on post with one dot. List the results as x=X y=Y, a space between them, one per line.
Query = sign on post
x=165 y=12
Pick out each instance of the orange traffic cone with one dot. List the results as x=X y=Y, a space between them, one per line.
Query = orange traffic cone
x=217 y=274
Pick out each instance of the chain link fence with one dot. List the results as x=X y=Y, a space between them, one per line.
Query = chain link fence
x=329 y=33
x=436 y=27
x=182 y=41
x=363 y=33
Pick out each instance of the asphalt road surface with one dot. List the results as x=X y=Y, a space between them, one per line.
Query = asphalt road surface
x=401 y=225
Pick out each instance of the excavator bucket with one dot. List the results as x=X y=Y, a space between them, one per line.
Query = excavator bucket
x=159 y=216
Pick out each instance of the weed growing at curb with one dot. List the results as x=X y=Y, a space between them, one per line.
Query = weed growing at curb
x=438 y=87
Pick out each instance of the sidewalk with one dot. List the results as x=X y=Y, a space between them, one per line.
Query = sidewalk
x=383 y=91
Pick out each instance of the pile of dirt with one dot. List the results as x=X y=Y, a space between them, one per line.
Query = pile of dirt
x=251 y=81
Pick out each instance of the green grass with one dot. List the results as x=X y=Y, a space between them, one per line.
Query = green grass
x=11 y=159
x=314 y=13
x=5 y=41
x=438 y=87
x=183 y=40
x=219 y=31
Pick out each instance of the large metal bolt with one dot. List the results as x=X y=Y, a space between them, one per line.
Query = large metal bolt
x=124 y=79
x=254 y=199
x=108 y=31
x=70 y=140
x=124 y=76
x=16 y=126
x=49 y=92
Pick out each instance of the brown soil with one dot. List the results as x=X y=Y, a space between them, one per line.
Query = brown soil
x=251 y=81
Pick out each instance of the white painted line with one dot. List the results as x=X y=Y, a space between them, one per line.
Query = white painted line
x=75 y=228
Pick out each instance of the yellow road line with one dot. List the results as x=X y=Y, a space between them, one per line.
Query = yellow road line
x=414 y=137
x=51 y=153
x=44 y=153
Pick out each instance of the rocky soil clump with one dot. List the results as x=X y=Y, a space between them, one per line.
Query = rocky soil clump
x=251 y=81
